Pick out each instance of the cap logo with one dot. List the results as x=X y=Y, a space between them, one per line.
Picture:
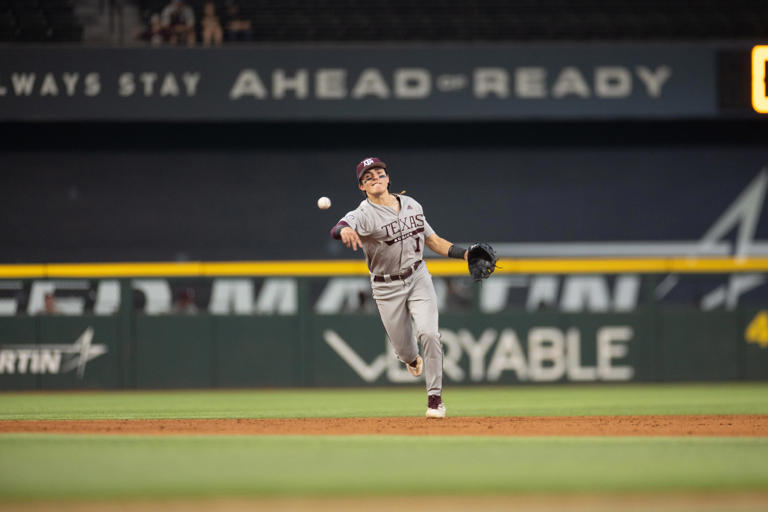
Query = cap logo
x=367 y=162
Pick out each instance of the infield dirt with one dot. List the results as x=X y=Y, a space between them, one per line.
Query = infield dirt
x=672 y=425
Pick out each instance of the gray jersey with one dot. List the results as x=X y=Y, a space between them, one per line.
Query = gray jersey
x=392 y=242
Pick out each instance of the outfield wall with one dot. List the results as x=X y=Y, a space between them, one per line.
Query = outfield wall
x=282 y=331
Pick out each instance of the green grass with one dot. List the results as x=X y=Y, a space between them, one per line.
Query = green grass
x=112 y=467
x=731 y=398
x=57 y=467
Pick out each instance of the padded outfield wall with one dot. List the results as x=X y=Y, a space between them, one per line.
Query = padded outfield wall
x=635 y=247
x=297 y=331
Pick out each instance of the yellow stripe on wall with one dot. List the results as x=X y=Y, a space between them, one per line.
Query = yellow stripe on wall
x=439 y=267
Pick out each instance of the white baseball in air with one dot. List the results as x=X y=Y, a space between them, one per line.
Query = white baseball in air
x=323 y=203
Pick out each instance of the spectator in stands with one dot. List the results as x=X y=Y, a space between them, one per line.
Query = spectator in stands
x=50 y=304
x=210 y=24
x=185 y=303
x=236 y=26
x=155 y=34
x=179 y=19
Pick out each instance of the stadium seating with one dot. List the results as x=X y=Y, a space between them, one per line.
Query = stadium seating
x=494 y=20
x=433 y=20
x=39 y=21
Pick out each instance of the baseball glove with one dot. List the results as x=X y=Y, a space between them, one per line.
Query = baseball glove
x=481 y=259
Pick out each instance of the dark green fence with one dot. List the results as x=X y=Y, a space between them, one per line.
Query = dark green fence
x=129 y=348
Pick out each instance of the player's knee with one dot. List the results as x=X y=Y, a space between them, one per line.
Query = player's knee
x=430 y=339
x=407 y=356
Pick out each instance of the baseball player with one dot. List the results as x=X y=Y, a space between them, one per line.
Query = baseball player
x=392 y=231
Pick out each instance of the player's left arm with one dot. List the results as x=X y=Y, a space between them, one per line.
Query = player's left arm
x=444 y=248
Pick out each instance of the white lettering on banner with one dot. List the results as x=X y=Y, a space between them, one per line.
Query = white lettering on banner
x=64 y=305
x=494 y=293
x=52 y=84
x=508 y=356
x=579 y=293
x=23 y=361
x=542 y=293
x=491 y=81
x=452 y=350
x=613 y=82
x=530 y=82
x=570 y=81
x=276 y=296
x=412 y=83
x=92 y=84
x=330 y=84
x=169 y=87
x=369 y=373
x=585 y=292
x=168 y=84
x=7 y=361
x=342 y=294
x=157 y=293
x=107 y=297
x=190 y=82
x=611 y=344
x=50 y=358
x=125 y=85
x=22 y=357
x=653 y=79
x=475 y=349
x=248 y=83
x=231 y=296
x=524 y=82
x=49 y=86
x=576 y=372
x=23 y=83
x=626 y=291
x=386 y=363
x=299 y=84
x=370 y=83
x=552 y=355
x=148 y=79
x=279 y=296
x=70 y=81
x=546 y=354
x=451 y=82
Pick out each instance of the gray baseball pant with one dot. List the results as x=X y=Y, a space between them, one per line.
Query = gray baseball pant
x=408 y=304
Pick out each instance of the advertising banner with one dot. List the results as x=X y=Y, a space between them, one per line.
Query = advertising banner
x=326 y=332
x=361 y=83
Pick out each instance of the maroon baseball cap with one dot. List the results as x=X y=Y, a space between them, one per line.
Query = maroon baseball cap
x=369 y=163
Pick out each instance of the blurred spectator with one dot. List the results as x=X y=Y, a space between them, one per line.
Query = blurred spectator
x=50 y=304
x=458 y=294
x=185 y=303
x=365 y=302
x=155 y=34
x=212 y=32
x=179 y=20
x=236 y=26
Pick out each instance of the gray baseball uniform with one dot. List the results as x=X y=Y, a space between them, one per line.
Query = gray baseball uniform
x=393 y=244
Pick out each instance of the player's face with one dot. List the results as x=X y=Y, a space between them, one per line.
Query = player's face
x=374 y=181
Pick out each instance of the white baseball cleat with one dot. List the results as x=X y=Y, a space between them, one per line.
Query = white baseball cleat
x=435 y=407
x=417 y=369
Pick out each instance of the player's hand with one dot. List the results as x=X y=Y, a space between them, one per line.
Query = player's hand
x=350 y=238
